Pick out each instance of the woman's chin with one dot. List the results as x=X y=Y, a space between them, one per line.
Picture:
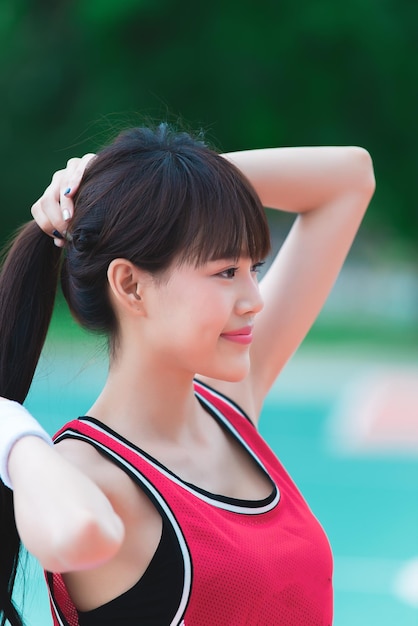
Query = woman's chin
x=234 y=374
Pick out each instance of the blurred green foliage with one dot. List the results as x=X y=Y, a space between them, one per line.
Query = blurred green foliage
x=251 y=74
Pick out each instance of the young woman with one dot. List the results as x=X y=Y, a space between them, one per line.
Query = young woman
x=164 y=505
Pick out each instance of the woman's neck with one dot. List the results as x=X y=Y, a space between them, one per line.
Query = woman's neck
x=145 y=400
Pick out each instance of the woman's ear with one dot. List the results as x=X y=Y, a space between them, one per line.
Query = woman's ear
x=126 y=282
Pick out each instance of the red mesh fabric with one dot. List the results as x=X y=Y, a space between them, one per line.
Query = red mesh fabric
x=63 y=610
x=255 y=568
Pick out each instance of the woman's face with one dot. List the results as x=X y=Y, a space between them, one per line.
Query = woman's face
x=200 y=319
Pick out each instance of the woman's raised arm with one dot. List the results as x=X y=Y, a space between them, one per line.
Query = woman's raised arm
x=330 y=189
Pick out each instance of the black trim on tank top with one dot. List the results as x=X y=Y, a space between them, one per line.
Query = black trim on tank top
x=183 y=568
x=227 y=400
x=55 y=607
x=207 y=406
x=228 y=500
x=237 y=502
x=153 y=599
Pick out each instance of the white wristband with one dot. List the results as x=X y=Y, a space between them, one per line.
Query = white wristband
x=15 y=422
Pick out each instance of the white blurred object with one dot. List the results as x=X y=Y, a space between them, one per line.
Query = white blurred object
x=406 y=583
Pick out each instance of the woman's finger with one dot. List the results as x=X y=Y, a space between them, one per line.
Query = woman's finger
x=55 y=207
x=70 y=184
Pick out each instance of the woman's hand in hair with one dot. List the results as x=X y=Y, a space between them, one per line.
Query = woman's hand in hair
x=55 y=207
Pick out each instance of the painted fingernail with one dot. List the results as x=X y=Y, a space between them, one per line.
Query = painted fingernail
x=66 y=215
x=67 y=191
x=57 y=234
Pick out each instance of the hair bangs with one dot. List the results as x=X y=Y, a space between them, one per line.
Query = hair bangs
x=223 y=217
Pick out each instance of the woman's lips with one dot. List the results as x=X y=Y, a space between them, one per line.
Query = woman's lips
x=242 y=335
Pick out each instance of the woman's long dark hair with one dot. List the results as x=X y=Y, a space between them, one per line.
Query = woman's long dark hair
x=154 y=197
x=28 y=282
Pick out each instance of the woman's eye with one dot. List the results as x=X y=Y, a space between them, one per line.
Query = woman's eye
x=229 y=273
x=257 y=267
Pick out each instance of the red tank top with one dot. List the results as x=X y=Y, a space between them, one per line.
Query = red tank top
x=262 y=563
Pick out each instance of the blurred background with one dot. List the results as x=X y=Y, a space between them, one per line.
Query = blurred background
x=344 y=415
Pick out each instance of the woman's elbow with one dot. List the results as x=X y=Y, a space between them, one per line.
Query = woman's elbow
x=84 y=543
x=363 y=171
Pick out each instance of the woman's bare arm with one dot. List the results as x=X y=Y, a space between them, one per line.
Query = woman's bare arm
x=62 y=516
x=330 y=189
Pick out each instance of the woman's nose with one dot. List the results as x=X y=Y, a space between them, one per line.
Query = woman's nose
x=250 y=301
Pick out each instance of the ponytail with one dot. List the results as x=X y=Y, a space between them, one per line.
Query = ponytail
x=28 y=283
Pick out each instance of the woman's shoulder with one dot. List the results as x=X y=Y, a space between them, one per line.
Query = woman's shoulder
x=126 y=499
x=84 y=456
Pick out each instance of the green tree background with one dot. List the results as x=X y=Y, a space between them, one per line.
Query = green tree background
x=251 y=74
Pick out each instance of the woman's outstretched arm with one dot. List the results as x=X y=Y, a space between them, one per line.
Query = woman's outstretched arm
x=62 y=516
x=329 y=188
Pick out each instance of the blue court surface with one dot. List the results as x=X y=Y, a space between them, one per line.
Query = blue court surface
x=345 y=425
